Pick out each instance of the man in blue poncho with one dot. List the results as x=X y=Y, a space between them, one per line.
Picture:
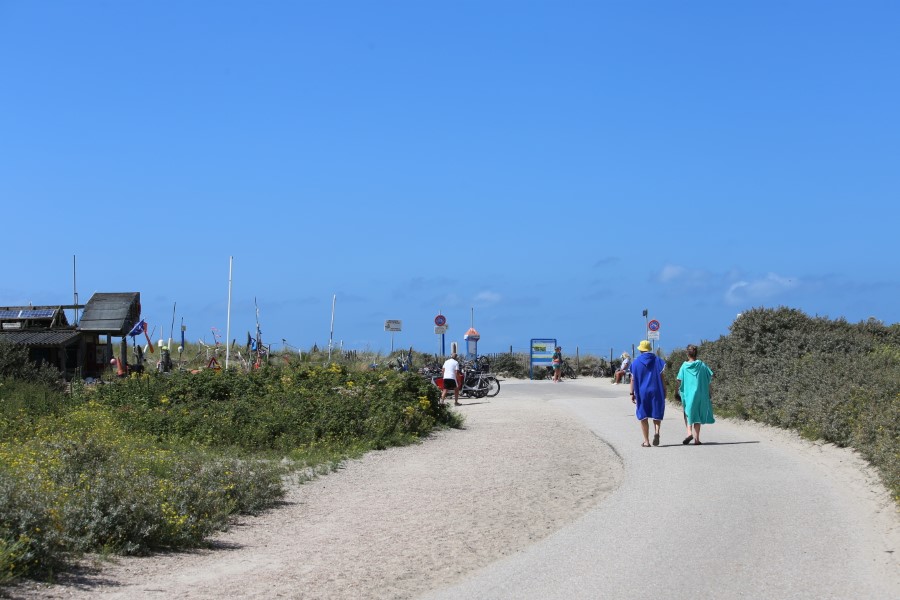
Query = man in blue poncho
x=648 y=391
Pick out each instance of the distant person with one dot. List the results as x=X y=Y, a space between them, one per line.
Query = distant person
x=451 y=370
x=557 y=363
x=626 y=363
x=694 y=379
x=648 y=391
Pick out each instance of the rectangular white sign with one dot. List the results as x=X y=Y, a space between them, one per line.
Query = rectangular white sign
x=441 y=329
x=652 y=335
x=392 y=325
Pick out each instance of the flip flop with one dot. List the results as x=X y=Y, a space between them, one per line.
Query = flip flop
x=698 y=443
x=687 y=440
x=656 y=439
x=645 y=445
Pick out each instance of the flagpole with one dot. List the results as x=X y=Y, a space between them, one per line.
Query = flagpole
x=331 y=335
x=228 y=320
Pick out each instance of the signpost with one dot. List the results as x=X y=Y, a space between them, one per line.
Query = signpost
x=393 y=325
x=653 y=330
x=440 y=328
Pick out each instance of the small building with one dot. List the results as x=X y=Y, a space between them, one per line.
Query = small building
x=80 y=350
x=108 y=314
x=46 y=333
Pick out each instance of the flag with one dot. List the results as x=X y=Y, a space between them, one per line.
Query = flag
x=138 y=329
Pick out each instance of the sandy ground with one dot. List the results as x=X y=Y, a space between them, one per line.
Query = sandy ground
x=392 y=524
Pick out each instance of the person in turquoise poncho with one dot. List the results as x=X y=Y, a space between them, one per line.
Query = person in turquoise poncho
x=694 y=379
x=648 y=391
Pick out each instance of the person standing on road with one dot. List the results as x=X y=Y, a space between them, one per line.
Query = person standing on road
x=694 y=378
x=648 y=391
x=451 y=369
x=557 y=363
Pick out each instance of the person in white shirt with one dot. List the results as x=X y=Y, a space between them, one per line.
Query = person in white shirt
x=451 y=369
x=626 y=364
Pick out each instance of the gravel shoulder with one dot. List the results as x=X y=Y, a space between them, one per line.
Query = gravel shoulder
x=393 y=524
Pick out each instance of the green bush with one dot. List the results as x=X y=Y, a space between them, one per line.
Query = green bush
x=509 y=365
x=280 y=408
x=161 y=461
x=79 y=483
x=827 y=379
x=14 y=364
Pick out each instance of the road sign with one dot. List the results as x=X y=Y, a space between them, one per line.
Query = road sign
x=652 y=335
x=440 y=320
x=440 y=329
x=393 y=325
x=653 y=325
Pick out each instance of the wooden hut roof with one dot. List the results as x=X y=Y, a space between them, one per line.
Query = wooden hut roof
x=111 y=313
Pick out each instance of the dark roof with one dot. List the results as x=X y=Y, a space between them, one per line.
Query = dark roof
x=32 y=316
x=111 y=313
x=40 y=337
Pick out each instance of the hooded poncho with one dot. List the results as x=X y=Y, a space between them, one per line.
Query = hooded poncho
x=650 y=400
x=695 y=377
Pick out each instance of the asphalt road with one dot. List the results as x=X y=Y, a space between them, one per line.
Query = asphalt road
x=749 y=514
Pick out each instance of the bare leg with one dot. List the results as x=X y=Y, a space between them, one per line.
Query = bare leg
x=696 y=433
x=645 y=431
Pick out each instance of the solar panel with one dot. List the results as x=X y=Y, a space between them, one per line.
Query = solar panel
x=28 y=313
x=40 y=313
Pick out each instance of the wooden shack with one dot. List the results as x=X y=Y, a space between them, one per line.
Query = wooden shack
x=46 y=333
x=80 y=350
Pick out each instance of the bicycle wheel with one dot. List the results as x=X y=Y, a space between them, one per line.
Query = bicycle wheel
x=493 y=387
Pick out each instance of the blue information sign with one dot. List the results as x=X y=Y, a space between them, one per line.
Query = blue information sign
x=541 y=353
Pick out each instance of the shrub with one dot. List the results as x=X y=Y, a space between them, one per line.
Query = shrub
x=14 y=364
x=827 y=379
x=509 y=365
x=160 y=461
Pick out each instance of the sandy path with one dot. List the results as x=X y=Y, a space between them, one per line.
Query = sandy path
x=393 y=524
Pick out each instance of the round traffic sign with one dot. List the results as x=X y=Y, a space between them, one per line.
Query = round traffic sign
x=440 y=320
x=653 y=325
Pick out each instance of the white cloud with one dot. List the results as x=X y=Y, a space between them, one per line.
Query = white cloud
x=744 y=292
x=487 y=297
x=671 y=273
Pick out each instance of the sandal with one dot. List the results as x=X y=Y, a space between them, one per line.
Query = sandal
x=645 y=445
x=698 y=443
x=687 y=440
x=656 y=439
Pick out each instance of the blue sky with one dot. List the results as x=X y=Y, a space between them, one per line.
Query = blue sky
x=553 y=167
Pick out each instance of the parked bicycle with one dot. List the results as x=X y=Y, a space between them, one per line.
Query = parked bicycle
x=478 y=382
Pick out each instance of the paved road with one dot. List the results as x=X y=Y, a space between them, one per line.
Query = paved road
x=746 y=515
